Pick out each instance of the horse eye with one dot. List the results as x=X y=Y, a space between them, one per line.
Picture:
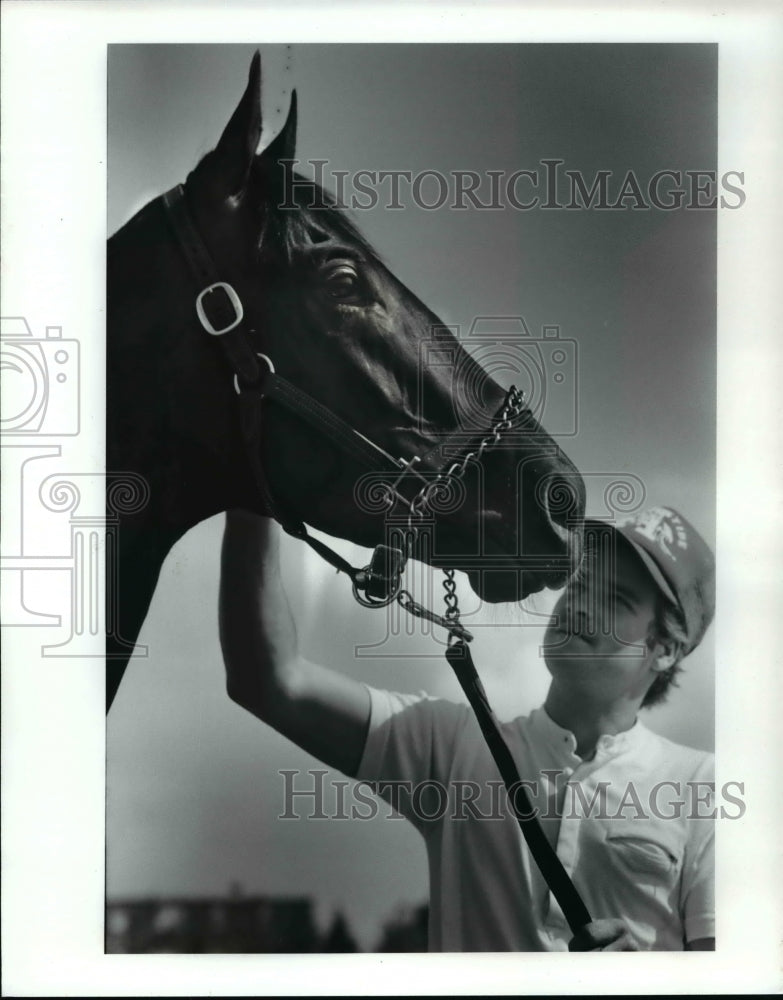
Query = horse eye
x=342 y=282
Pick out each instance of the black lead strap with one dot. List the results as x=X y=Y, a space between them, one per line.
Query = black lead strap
x=550 y=865
x=217 y=298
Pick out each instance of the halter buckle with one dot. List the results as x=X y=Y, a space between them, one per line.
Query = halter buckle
x=233 y=298
x=381 y=580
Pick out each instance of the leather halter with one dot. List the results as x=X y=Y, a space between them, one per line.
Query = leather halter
x=217 y=302
x=221 y=314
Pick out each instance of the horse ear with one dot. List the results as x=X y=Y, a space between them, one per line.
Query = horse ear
x=234 y=153
x=283 y=146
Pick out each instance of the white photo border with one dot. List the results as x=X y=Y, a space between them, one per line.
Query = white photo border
x=54 y=226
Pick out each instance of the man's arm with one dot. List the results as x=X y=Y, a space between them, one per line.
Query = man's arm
x=321 y=710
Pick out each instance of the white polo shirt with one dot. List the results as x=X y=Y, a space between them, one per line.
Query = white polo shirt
x=632 y=826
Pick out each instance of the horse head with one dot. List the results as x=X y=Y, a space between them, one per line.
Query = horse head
x=322 y=311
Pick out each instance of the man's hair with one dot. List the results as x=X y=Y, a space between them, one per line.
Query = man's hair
x=668 y=628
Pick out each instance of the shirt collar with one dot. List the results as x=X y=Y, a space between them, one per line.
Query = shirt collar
x=563 y=742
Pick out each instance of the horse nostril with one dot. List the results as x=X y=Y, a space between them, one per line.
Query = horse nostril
x=562 y=502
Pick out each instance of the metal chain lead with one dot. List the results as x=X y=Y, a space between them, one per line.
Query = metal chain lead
x=513 y=406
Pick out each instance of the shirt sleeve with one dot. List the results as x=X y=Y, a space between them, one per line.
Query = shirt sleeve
x=698 y=881
x=408 y=751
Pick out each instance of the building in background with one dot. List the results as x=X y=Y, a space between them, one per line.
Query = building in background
x=236 y=923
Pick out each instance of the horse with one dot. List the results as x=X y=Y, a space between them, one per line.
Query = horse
x=324 y=389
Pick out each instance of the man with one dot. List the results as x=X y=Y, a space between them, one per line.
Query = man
x=627 y=810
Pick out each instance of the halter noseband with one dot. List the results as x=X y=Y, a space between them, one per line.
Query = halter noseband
x=381 y=580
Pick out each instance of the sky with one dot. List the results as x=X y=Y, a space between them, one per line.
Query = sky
x=193 y=783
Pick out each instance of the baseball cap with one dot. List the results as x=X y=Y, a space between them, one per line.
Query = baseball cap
x=679 y=561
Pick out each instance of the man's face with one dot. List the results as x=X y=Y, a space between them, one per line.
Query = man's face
x=596 y=642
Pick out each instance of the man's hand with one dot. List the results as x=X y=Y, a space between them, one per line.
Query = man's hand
x=603 y=935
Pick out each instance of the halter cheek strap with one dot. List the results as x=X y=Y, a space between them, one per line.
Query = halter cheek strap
x=221 y=314
x=218 y=306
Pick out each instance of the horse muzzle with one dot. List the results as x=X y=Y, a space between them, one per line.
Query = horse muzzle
x=524 y=539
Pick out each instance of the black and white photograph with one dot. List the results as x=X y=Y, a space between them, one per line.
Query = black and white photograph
x=572 y=259
x=389 y=515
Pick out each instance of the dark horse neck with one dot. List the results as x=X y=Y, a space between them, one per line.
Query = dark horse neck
x=173 y=441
